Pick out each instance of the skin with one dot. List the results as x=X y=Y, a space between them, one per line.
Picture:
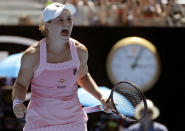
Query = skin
x=58 y=50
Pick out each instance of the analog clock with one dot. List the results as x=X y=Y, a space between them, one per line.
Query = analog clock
x=136 y=60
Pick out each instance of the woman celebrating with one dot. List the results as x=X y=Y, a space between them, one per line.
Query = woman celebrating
x=54 y=66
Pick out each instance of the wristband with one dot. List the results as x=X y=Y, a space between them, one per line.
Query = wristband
x=17 y=101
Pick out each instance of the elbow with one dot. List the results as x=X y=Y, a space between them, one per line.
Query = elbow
x=84 y=77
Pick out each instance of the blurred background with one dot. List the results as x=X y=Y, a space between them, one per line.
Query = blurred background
x=99 y=12
x=100 y=24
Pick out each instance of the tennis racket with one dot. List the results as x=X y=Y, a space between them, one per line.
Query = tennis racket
x=125 y=97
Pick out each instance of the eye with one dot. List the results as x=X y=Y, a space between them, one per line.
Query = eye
x=60 y=20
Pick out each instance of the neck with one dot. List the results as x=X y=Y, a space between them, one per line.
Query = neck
x=56 y=46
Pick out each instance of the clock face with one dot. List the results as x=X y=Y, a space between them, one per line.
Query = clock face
x=135 y=63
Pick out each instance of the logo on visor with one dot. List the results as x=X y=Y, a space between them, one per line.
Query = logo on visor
x=57 y=5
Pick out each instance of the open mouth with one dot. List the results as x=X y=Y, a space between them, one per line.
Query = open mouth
x=65 y=32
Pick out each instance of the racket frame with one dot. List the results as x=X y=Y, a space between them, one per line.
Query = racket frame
x=110 y=99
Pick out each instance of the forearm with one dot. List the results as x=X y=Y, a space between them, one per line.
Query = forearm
x=89 y=84
x=19 y=91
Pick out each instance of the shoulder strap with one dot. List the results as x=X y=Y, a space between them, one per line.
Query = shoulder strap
x=74 y=52
x=43 y=58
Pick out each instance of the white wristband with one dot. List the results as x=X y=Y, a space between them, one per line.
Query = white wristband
x=17 y=101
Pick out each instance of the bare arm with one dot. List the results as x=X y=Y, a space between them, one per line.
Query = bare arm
x=24 y=77
x=89 y=84
x=85 y=80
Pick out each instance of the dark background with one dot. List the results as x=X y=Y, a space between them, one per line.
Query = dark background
x=168 y=93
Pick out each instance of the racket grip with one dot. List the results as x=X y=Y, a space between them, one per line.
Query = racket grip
x=22 y=120
x=93 y=109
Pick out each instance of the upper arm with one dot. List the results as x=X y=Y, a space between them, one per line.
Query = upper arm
x=26 y=71
x=83 y=56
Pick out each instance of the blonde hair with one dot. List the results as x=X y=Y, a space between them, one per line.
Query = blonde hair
x=42 y=27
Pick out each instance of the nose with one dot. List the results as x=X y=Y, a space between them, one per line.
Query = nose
x=66 y=23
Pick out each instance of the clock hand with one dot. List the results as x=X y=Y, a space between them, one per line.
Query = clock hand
x=144 y=66
x=136 y=59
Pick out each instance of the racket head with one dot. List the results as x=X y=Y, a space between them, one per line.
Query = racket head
x=126 y=97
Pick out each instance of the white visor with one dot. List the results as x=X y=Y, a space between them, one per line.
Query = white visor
x=53 y=10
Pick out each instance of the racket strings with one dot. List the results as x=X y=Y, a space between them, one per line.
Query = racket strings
x=133 y=97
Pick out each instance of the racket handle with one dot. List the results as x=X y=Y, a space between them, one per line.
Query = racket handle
x=22 y=120
x=93 y=109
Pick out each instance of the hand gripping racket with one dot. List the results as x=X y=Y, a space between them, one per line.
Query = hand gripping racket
x=125 y=97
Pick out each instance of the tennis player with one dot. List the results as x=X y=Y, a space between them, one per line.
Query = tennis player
x=54 y=66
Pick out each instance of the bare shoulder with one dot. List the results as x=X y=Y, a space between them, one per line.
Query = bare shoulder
x=82 y=51
x=29 y=61
x=31 y=55
x=80 y=47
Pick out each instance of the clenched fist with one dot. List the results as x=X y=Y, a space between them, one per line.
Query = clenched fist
x=108 y=107
x=19 y=110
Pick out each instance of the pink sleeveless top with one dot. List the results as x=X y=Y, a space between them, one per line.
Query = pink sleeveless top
x=54 y=100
